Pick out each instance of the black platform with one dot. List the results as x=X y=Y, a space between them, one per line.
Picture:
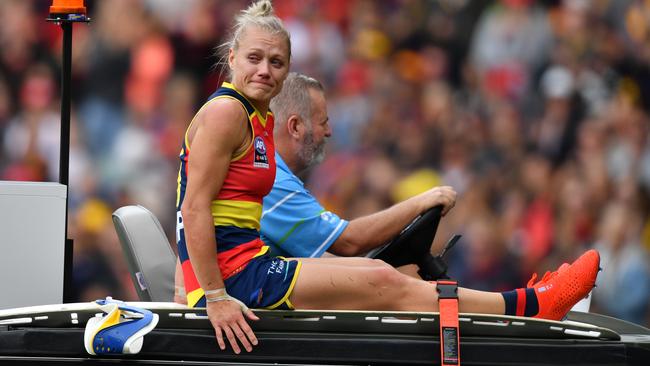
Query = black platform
x=52 y=337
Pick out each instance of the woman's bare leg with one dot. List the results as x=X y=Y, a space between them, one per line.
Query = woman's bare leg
x=410 y=270
x=331 y=284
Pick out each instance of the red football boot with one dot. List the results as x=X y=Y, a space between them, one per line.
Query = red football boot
x=558 y=291
x=547 y=276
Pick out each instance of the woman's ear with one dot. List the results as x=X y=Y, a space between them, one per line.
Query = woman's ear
x=231 y=58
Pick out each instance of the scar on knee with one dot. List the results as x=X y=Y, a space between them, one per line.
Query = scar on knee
x=332 y=281
x=372 y=284
x=351 y=279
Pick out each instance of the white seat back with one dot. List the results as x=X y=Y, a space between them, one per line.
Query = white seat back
x=146 y=248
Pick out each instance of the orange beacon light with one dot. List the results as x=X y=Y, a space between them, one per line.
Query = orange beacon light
x=67 y=7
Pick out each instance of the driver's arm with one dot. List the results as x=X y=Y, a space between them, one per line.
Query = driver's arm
x=368 y=232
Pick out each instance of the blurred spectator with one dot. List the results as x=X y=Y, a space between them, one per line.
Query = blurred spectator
x=625 y=264
x=317 y=46
x=117 y=27
x=512 y=38
x=484 y=260
x=32 y=138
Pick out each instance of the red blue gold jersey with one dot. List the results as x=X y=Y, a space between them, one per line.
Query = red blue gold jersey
x=237 y=208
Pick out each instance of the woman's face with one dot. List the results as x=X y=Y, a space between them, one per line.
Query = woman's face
x=260 y=64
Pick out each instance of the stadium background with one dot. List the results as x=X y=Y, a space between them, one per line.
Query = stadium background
x=536 y=112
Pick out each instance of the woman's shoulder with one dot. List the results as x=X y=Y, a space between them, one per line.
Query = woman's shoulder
x=220 y=109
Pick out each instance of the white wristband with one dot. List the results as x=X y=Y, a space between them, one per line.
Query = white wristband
x=226 y=297
x=219 y=292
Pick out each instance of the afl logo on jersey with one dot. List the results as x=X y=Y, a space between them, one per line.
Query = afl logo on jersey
x=261 y=160
x=260 y=147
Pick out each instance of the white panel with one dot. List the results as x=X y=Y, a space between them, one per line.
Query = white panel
x=32 y=220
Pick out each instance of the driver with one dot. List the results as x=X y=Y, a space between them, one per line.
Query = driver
x=294 y=223
x=227 y=167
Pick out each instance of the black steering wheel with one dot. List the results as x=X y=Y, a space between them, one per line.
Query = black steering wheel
x=413 y=246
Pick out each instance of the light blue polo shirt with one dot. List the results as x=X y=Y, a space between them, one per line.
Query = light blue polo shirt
x=293 y=223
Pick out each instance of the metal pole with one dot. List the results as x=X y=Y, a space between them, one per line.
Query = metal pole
x=70 y=13
x=64 y=155
x=64 y=152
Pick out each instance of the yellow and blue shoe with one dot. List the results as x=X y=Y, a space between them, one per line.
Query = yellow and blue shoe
x=120 y=330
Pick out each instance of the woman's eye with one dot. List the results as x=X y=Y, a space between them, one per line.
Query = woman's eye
x=253 y=58
x=277 y=63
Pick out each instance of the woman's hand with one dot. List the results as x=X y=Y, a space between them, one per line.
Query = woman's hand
x=226 y=316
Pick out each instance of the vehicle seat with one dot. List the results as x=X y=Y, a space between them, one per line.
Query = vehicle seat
x=148 y=253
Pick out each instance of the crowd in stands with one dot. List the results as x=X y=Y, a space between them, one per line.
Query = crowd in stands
x=536 y=112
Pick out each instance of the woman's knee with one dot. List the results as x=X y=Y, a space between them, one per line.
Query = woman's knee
x=386 y=275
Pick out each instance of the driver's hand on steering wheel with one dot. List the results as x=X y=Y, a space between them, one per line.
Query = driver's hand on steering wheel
x=443 y=195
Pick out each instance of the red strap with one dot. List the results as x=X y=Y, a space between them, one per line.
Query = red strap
x=449 y=329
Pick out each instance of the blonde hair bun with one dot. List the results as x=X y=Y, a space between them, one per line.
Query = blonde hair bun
x=261 y=8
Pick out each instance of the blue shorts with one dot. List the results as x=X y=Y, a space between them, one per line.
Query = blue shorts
x=266 y=282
